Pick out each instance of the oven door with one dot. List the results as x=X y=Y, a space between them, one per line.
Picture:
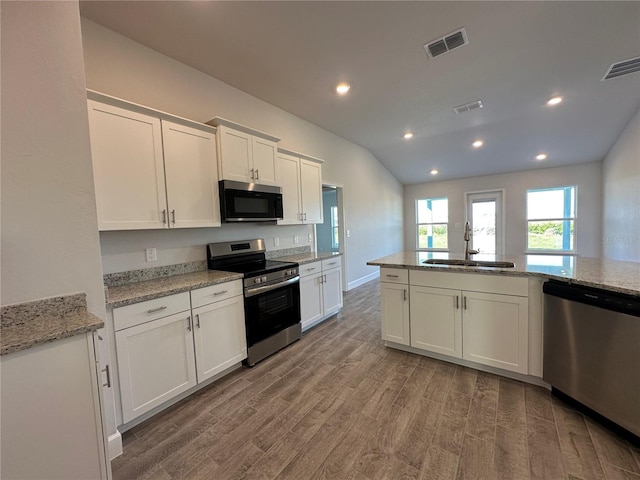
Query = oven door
x=270 y=309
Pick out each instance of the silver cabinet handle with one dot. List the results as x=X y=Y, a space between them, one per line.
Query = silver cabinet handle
x=305 y=216
x=164 y=217
x=404 y=294
x=173 y=217
x=464 y=302
x=325 y=279
x=300 y=215
x=106 y=370
x=159 y=309
x=310 y=269
x=198 y=320
x=393 y=276
x=189 y=323
x=221 y=292
x=457 y=302
x=257 y=174
x=333 y=263
x=253 y=175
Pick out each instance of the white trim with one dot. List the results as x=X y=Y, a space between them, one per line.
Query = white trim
x=499 y=194
x=114 y=445
x=363 y=280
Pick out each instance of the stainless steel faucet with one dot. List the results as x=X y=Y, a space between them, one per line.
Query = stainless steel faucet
x=467 y=237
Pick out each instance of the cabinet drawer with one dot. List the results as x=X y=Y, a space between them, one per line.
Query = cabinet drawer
x=215 y=293
x=310 y=268
x=506 y=285
x=131 y=315
x=394 y=275
x=329 y=263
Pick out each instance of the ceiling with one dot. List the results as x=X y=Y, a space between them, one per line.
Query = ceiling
x=292 y=55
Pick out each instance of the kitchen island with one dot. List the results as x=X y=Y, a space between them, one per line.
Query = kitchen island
x=483 y=317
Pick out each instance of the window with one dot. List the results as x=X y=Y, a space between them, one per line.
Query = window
x=551 y=217
x=432 y=217
x=335 y=242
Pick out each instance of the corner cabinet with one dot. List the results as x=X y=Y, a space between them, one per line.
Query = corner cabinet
x=320 y=291
x=134 y=149
x=300 y=177
x=245 y=154
x=394 y=302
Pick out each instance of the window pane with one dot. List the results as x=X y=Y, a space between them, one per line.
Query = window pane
x=433 y=210
x=551 y=203
x=544 y=235
x=432 y=236
x=483 y=215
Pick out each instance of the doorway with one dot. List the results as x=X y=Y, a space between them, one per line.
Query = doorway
x=330 y=235
x=484 y=214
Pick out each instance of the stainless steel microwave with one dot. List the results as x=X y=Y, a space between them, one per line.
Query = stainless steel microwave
x=249 y=202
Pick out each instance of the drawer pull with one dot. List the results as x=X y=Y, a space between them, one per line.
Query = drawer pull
x=106 y=370
x=198 y=320
x=221 y=292
x=393 y=276
x=464 y=302
x=310 y=269
x=332 y=263
x=159 y=309
x=404 y=294
x=189 y=323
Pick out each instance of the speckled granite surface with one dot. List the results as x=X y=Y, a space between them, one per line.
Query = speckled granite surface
x=615 y=276
x=32 y=323
x=121 y=295
x=133 y=276
x=308 y=257
x=277 y=254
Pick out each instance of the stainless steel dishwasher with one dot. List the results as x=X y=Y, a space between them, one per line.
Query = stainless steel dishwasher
x=592 y=350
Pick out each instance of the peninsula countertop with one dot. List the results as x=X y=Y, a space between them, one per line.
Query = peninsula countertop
x=611 y=275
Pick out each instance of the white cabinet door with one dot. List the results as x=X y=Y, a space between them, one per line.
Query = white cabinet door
x=311 y=191
x=436 y=320
x=236 y=154
x=394 y=300
x=192 y=176
x=332 y=291
x=155 y=363
x=264 y=161
x=496 y=330
x=311 y=299
x=128 y=169
x=288 y=178
x=219 y=336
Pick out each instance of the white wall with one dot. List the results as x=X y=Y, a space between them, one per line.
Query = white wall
x=588 y=226
x=621 y=188
x=373 y=197
x=50 y=242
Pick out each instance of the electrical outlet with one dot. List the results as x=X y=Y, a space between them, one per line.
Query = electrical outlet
x=348 y=233
x=310 y=238
x=276 y=241
x=295 y=239
x=151 y=255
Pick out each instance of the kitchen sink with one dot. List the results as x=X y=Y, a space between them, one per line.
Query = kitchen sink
x=469 y=263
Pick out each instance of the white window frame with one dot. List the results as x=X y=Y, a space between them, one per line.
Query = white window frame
x=417 y=235
x=572 y=251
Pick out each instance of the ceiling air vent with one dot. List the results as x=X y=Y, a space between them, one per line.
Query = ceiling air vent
x=448 y=42
x=467 y=107
x=623 y=68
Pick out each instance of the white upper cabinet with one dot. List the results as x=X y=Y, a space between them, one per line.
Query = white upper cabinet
x=301 y=181
x=134 y=149
x=192 y=177
x=246 y=155
x=128 y=168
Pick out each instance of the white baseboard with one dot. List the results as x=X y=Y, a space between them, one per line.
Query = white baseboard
x=363 y=280
x=114 y=445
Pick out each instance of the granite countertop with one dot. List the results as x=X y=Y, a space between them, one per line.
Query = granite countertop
x=126 y=294
x=28 y=324
x=309 y=257
x=611 y=275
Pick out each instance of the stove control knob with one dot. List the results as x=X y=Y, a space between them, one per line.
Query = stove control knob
x=263 y=279
x=257 y=280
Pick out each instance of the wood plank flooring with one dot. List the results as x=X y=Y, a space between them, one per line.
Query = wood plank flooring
x=339 y=405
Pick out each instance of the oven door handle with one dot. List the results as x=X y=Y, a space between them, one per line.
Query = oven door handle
x=250 y=292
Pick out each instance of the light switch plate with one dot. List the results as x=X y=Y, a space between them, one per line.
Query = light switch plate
x=276 y=241
x=295 y=239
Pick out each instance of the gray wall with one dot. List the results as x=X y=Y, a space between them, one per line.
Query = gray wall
x=49 y=229
x=621 y=186
x=587 y=177
x=372 y=196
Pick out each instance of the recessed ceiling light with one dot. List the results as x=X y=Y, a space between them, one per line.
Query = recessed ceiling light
x=541 y=156
x=434 y=171
x=554 y=101
x=343 y=88
x=408 y=135
x=477 y=144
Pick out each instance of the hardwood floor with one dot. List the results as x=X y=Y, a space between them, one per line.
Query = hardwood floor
x=340 y=405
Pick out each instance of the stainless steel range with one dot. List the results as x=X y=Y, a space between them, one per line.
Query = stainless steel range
x=271 y=295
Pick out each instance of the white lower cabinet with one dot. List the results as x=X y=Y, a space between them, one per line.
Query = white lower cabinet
x=484 y=320
x=165 y=348
x=219 y=336
x=320 y=291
